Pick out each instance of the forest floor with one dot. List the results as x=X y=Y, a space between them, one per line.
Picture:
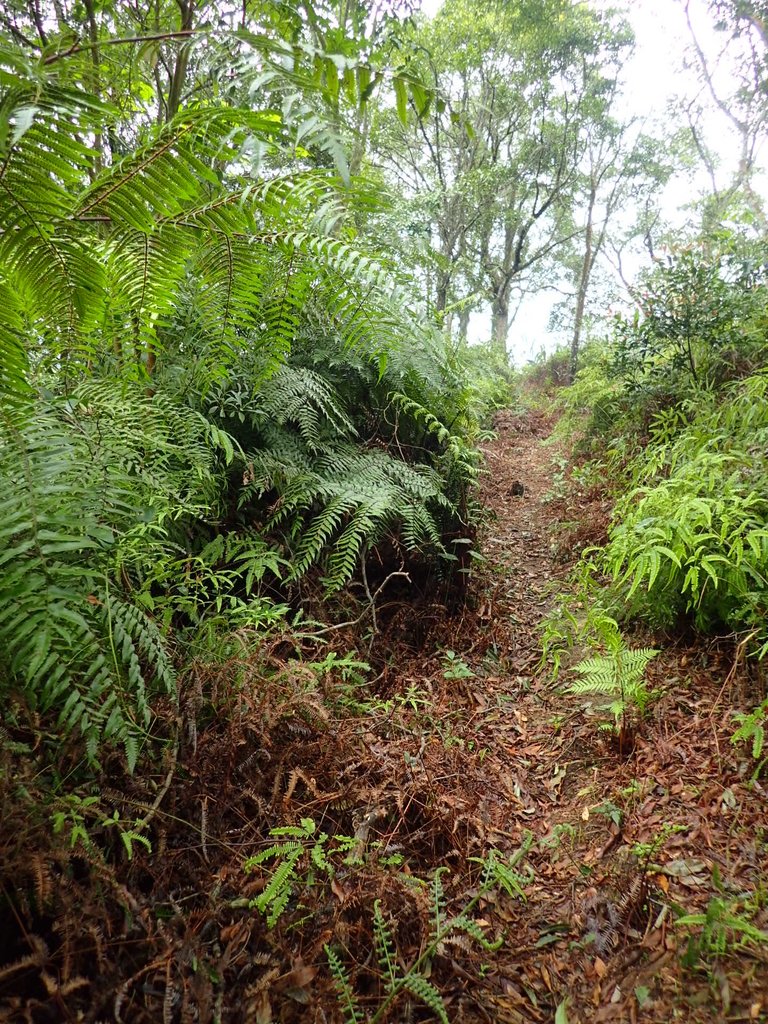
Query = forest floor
x=627 y=839
x=460 y=744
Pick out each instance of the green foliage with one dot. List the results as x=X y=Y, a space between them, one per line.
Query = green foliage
x=301 y=854
x=455 y=667
x=353 y=1013
x=646 y=852
x=561 y=1013
x=701 y=317
x=210 y=388
x=584 y=615
x=752 y=729
x=678 y=411
x=72 y=813
x=445 y=931
x=71 y=642
x=596 y=407
x=617 y=676
x=725 y=928
x=692 y=536
x=547 y=372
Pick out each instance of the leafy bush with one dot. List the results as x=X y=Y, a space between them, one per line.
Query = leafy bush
x=675 y=413
x=548 y=371
x=701 y=320
x=69 y=639
x=692 y=536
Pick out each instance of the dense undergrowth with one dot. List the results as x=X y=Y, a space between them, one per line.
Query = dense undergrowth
x=238 y=479
x=671 y=419
x=228 y=432
x=226 y=396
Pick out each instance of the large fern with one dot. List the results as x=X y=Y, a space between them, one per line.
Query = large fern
x=73 y=647
x=333 y=497
x=156 y=371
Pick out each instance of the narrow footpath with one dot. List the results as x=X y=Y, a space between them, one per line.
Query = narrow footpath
x=369 y=798
x=620 y=839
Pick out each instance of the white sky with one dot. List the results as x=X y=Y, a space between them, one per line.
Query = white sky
x=653 y=78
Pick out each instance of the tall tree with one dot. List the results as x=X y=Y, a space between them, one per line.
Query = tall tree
x=734 y=80
x=499 y=152
x=621 y=166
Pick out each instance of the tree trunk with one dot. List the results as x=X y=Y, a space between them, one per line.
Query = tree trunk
x=578 y=319
x=464 y=315
x=179 y=76
x=499 y=324
x=583 y=287
x=442 y=284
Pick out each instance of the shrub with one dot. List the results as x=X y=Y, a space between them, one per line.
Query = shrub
x=691 y=537
x=701 y=320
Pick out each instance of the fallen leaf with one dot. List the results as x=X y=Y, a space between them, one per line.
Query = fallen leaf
x=262 y=1009
x=301 y=974
x=690 y=872
x=642 y=995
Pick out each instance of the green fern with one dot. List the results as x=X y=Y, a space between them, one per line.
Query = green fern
x=751 y=729
x=385 y=949
x=353 y=1014
x=618 y=676
x=722 y=930
x=398 y=980
x=185 y=344
x=74 y=648
x=427 y=994
x=301 y=852
x=337 y=499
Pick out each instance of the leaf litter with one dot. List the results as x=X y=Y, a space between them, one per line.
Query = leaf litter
x=460 y=746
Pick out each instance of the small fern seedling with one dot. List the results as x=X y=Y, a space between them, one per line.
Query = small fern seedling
x=619 y=677
x=352 y=1012
x=300 y=854
x=723 y=931
x=752 y=729
x=445 y=930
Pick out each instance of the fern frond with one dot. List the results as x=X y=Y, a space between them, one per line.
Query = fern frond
x=438 y=904
x=619 y=674
x=385 y=950
x=426 y=992
x=352 y=1012
x=474 y=931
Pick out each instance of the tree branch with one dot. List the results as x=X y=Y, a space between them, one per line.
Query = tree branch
x=80 y=47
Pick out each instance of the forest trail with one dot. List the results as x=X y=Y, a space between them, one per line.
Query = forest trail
x=619 y=836
x=520 y=547
x=460 y=745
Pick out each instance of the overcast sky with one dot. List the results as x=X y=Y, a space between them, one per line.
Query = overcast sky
x=653 y=78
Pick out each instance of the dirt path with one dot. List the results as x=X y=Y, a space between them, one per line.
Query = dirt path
x=457 y=746
x=620 y=839
x=521 y=542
